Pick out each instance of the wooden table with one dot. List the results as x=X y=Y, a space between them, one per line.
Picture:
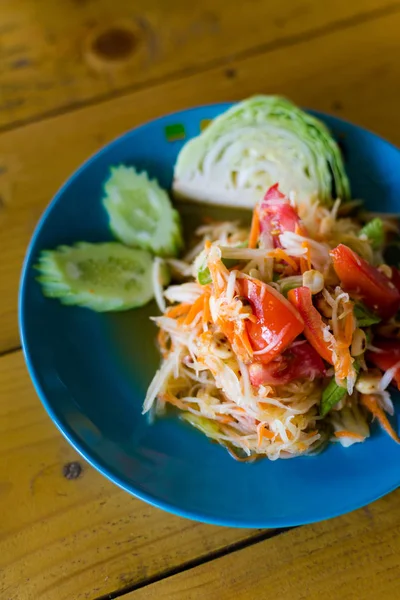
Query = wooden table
x=74 y=74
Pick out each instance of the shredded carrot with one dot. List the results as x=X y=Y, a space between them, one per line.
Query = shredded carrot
x=343 y=365
x=303 y=265
x=171 y=399
x=178 y=310
x=207 y=244
x=255 y=229
x=238 y=340
x=240 y=349
x=280 y=254
x=349 y=434
x=244 y=341
x=181 y=320
x=227 y=328
x=341 y=344
x=263 y=432
x=299 y=229
x=226 y=419
x=197 y=306
x=310 y=434
x=306 y=245
x=215 y=270
x=206 y=308
x=349 y=327
x=370 y=401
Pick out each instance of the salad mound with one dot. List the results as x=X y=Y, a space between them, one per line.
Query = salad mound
x=280 y=337
x=276 y=338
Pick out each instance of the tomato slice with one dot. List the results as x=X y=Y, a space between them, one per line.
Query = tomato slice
x=299 y=360
x=274 y=193
x=313 y=324
x=387 y=358
x=278 y=323
x=363 y=280
x=278 y=215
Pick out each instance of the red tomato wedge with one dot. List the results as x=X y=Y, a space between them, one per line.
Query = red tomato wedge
x=363 y=280
x=274 y=193
x=313 y=324
x=300 y=360
x=278 y=323
x=277 y=215
x=387 y=357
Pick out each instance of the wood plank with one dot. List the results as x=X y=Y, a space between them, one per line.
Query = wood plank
x=55 y=55
x=351 y=557
x=353 y=72
x=63 y=539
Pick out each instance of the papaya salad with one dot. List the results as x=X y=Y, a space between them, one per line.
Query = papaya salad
x=276 y=338
x=281 y=339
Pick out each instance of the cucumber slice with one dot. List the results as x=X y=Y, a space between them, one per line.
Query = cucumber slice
x=102 y=277
x=140 y=212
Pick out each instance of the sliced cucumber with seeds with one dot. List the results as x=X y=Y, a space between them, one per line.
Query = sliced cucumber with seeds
x=102 y=277
x=140 y=212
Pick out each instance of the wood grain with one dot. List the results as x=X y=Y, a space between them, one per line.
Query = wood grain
x=354 y=72
x=58 y=54
x=353 y=557
x=64 y=539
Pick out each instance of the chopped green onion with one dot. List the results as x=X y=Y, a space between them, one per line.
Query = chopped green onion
x=290 y=283
x=203 y=272
x=204 y=275
x=364 y=316
x=374 y=232
x=331 y=395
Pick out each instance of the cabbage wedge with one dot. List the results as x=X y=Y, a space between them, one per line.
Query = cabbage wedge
x=255 y=144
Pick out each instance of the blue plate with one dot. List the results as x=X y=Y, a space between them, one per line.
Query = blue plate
x=91 y=371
